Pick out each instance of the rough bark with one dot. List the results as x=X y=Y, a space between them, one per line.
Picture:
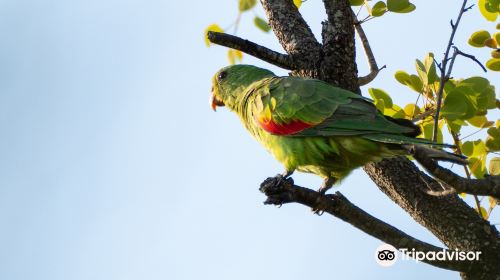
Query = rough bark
x=339 y=53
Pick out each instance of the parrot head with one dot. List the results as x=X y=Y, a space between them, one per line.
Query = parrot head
x=229 y=84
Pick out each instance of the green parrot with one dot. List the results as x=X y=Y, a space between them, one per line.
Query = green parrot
x=310 y=125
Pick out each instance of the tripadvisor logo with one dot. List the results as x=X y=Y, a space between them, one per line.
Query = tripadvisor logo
x=443 y=255
x=386 y=255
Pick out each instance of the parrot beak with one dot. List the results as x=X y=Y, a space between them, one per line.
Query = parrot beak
x=214 y=101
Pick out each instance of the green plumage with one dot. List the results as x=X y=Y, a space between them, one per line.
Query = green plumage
x=309 y=125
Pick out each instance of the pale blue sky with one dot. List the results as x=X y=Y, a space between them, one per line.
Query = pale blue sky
x=113 y=166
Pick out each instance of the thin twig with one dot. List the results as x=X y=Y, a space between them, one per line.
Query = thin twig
x=473 y=59
x=446 y=71
x=281 y=60
x=423 y=115
x=456 y=139
x=374 y=69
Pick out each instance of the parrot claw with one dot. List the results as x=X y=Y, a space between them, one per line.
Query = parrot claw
x=327 y=184
x=284 y=177
x=317 y=211
x=275 y=190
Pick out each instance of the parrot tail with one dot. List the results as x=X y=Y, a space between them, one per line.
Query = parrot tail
x=437 y=154
x=407 y=123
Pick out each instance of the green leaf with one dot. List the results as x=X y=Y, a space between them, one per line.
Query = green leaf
x=298 y=3
x=493 y=64
x=494 y=166
x=477 y=83
x=416 y=84
x=454 y=125
x=400 y=6
x=457 y=106
x=428 y=132
x=477 y=38
x=212 y=27
x=427 y=70
x=411 y=110
x=479 y=149
x=477 y=167
x=493 y=139
x=480 y=121
x=245 y=5
x=486 y=99
x=493 y=144
x=494 y=132
x=356 y=2
x=412 y=81
x=492 y=6
x=408 y=9
x=376 y=93
x=479 y=90
x=467 y=148
x=378 y=9
x=402 y=77
x=395 y=112
x=490 y=16
x=421 y=71
x=379 y=103
x=261 y=24
x=430 y=68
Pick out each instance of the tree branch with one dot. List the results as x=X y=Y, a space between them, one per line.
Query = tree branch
x=487 y=186
x=293 y=33
x=446 y=71
x=280 y=191
x=281 y=60
x=368 y=53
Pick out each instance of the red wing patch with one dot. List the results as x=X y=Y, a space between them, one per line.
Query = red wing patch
x=283 y=129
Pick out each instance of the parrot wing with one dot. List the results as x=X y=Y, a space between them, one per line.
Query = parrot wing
x=301 y=107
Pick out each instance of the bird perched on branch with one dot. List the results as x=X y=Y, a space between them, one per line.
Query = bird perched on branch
x=312 y=126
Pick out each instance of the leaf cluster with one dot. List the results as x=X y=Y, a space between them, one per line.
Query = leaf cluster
x=490 y=9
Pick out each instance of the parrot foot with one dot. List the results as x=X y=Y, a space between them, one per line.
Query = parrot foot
x=327 y=184
x=275 y=188
x=284 y=176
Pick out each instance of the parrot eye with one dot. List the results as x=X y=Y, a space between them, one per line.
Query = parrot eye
x=221 y=75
